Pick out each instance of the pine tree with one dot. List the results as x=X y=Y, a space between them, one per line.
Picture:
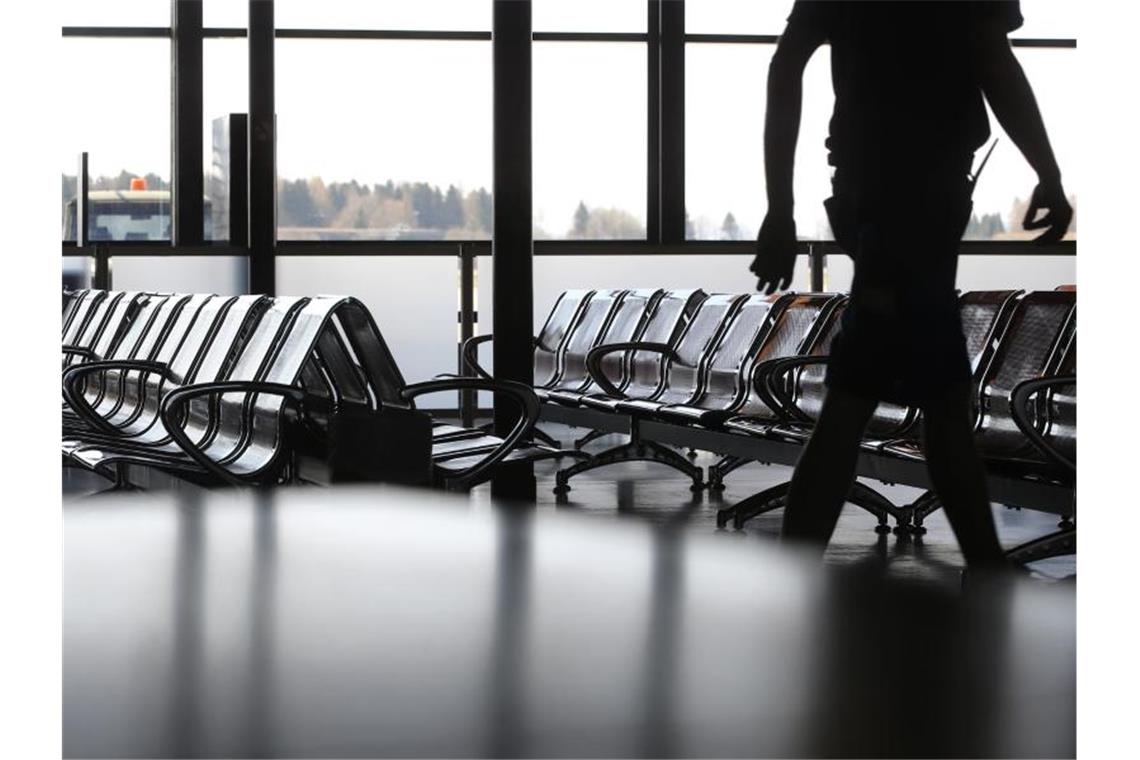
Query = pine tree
x=730 y=230
x=581 y=220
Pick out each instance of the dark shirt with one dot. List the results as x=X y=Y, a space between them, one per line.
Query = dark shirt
x=906 y=95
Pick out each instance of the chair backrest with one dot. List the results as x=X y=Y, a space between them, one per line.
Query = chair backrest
x=199 y=347
x=151 y=324
x=100 y=328
x=792 y=333
x=665 y=325
x=1030 y=345
x=1061 y=430
x=984 y=315
x=682 y=377
x=560 y=322
x=808 y=382
x=627 y=323
x=222 y=421
x=596 y=316
x=250 y=428
x=725 y=377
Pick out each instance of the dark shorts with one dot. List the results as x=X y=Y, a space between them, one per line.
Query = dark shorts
x=901 y=337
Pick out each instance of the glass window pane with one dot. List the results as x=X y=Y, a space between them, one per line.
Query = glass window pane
x=113 y=12
x=224 y=275
x=383 y=139
x=124 y=125
x=736 y=16
x=431 y=15
x=226 y=13
x=724 y=142
x=589 y=15
x=1007 y=181
x=589 y=140
x=1015 y=272
x=412 y=298
x=225 y=90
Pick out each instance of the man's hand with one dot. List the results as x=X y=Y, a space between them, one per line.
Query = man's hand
x=775 y=253
x=1048 y=195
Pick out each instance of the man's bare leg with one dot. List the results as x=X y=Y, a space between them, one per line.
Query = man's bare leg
x=826 y=469
x=959 y=478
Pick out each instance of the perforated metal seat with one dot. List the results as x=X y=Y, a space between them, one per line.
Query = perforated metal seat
x=795 y=331
x=627 y=323
x=684 y=364
x=726 y=376
x=644 y=369
x=1030 y=346
x=591 y=326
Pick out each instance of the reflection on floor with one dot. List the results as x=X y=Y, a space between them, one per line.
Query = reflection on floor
x=656 y=493
x=651 y=492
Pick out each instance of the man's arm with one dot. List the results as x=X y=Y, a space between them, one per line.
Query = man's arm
x=1008 y=92
x=776 y=244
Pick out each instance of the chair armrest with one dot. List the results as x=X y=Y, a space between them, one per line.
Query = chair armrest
x=1019 y=408
x=74 y=396
x=528 y=402
x=597 y=353
x=85 y=353
x=174 y=402
x=471 y=354
x=767 y=380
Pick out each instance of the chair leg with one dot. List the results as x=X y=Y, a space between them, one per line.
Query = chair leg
x=546 y=438
x=880 y=506
x=860 y=495
x=722 y=467
x=1057 y=544
x=926 y=504
x=765 y=501
x=634 y=451
x=593 y=435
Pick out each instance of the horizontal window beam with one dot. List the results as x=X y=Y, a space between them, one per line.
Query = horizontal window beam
x=415 y=34
x=116 y=31
x=541 y=248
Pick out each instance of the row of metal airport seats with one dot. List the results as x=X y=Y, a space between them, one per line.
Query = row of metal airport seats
x=220 y=389
x=743 y=375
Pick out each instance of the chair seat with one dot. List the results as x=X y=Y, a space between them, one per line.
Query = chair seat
x=565 y=398
x=638 y=406
x=603 y=403
x=694 y=415
x=750 y=425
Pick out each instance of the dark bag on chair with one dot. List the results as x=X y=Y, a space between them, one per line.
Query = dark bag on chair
x=388 y=446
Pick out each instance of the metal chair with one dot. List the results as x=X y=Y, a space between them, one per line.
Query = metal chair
x=796 y=327
x=661 y=373
x=549 y=345
x=203 y=347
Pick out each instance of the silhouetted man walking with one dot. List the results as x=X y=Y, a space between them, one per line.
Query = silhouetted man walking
x=909 y=78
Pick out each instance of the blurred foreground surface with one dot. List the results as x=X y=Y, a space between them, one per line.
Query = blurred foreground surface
x=386 y=622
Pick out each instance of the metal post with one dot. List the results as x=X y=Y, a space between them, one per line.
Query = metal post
x=653 y=136
x=238 y=162
x=82 y=188
x=512 y=244
x=186 y=121
x=262 y=150
x=468 y=400
x=671 y=164
x=101 y=280
x=817 y=266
